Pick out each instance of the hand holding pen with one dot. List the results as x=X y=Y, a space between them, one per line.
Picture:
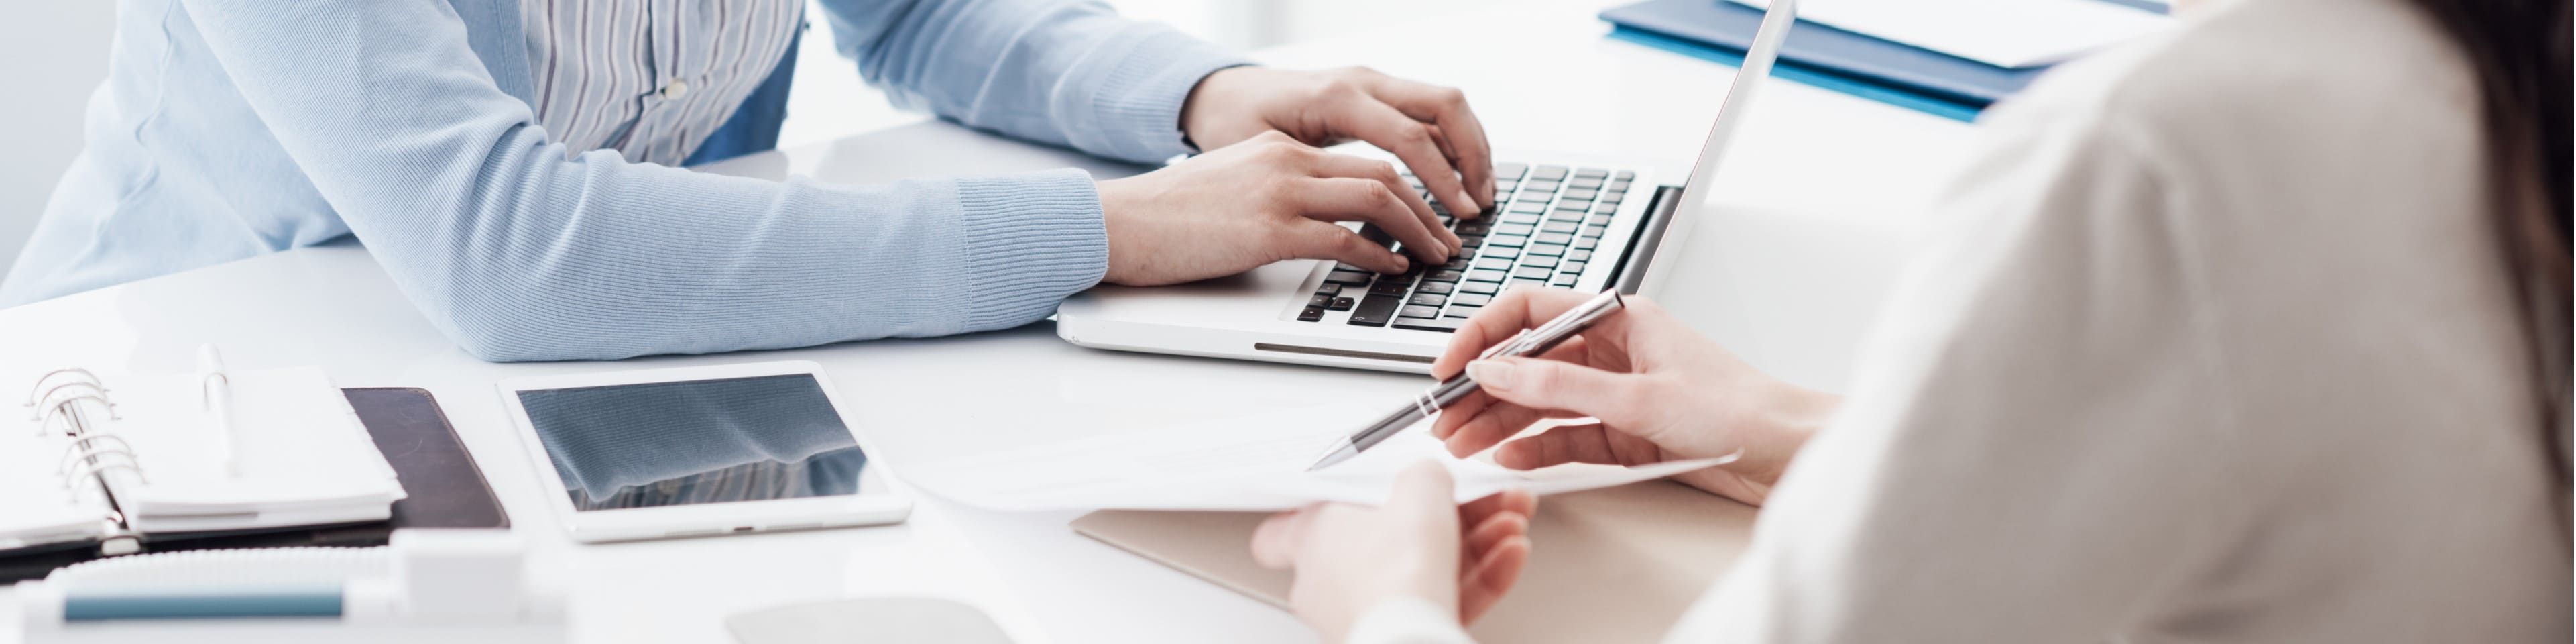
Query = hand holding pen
x=1659 y=391
x=1455 y=387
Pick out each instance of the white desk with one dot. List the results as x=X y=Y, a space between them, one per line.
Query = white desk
x=1814 y=226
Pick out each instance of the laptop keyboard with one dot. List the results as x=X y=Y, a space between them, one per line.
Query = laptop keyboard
x=1547 y=223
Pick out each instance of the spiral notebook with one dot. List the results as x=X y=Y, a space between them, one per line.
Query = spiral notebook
x=113 y=467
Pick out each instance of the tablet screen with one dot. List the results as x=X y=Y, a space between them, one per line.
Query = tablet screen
x=695 y=442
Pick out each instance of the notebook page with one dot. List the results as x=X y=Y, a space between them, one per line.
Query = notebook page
x=301 y=455
x=36 y=506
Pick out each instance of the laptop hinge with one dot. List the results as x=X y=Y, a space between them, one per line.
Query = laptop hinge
x=1633 y=262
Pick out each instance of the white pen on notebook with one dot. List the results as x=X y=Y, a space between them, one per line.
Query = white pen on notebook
x=218 y=394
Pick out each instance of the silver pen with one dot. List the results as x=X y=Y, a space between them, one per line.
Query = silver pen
x=1528 y=342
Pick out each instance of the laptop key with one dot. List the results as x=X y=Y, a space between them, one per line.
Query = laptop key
x=1493 y=263
x=1614 y=195
x=1584 y=182
x=1531 y=207
x=1460 y=313
x=1485 y=276
x=1587 y=243
x=1541 y=261
x=1570 y=203
x=1538 y=187
x=1546 y=249
x=1427 y=299
x=1319 y=300
x=1341 y=304
x=1522 y=218
x=1521 y=283
x=1548 y=172
x=1577 y=255
x=1594 y=231
x=1394 y=289
x=1443 y=325
x=1376 y=310
x=1598 y=219
x=1624 y=175
x=1580 y=193
x=1530 y=273
x=1470 y=299
x=1553 y=238
x=1506 y=240
x=1559 y=227
x=1502 y=251
x=1350 y=278
x=1443 y=276
x=1480 y=288
x=1592 y=173
x=1373 y=234
x=1435 y=288
x=1571 y=266
x=1563 y=281
x=1312 y=313
x=1510 y=170
x=1417 y=311
x=1329 y=289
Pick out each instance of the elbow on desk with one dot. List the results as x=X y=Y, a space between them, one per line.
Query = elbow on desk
x=517 y=323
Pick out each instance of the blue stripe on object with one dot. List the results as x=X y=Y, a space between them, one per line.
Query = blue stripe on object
x=1801 y=73
x=286 y=601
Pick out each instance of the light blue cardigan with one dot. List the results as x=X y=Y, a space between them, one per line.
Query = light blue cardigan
x=231 y=128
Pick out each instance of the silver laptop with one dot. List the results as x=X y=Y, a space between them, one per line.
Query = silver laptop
x=1566 y=223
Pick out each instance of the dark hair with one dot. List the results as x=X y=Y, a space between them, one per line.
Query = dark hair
x=2519 y=50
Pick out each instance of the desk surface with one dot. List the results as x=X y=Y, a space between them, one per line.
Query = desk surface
x=1815 y=218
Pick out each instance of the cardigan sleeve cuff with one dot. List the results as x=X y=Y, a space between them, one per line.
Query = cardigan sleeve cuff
x=1029 y=240
x=1127 y=94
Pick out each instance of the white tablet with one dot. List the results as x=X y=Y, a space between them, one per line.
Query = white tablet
x=697 y=451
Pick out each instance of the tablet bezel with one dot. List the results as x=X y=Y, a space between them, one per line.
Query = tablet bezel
x=878 y=501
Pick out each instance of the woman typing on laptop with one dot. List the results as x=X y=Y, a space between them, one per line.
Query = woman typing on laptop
x=2256 y=331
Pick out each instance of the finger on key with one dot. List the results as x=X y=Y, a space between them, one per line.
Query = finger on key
x=1415 y=142
x=1355 y=199
x=1446 y=107
x=1341 y=165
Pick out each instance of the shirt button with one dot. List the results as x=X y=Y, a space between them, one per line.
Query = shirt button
x=676 y=89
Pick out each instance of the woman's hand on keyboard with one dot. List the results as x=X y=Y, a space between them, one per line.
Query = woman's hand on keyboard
x=1428 y=126
x=1268 y=199
x=1660 y=391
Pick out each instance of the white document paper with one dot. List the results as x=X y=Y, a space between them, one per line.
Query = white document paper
x=1245 y=464
x=2003 y=33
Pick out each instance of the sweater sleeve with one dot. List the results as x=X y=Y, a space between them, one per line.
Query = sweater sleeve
x=520 y=253
x=2038 y=446
x=1066 y=72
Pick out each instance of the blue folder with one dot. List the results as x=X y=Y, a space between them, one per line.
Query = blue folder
x=1867 y=66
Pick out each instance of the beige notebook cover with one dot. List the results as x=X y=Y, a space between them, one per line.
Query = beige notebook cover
x=1606 y=566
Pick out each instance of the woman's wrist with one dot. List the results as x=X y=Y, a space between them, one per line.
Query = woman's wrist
x=1784 y=418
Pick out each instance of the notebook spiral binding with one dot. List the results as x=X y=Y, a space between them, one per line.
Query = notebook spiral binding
x=60 y=402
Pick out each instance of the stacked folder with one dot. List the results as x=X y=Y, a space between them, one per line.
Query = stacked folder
x=1816 y=54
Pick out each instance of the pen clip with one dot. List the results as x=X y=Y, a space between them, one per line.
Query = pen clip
x=206 y=390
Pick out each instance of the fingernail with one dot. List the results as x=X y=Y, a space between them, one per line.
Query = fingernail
x=1467 y=201
x=1492 y=374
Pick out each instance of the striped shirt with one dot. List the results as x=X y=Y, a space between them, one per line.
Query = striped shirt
x=649 y=78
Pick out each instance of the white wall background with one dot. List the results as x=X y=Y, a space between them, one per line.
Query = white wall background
x=53 y=52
